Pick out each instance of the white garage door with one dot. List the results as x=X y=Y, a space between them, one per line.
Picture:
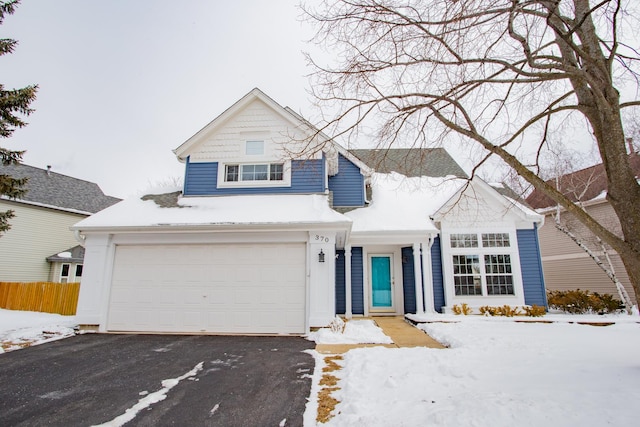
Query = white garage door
x=238 y=288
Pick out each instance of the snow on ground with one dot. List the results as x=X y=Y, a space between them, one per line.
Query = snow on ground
x=355 y=332
x=19 y=329
x=497 y=373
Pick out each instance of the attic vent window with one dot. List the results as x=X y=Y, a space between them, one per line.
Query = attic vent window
x=254 y=148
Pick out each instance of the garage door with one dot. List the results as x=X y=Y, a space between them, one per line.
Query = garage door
x=240 y=288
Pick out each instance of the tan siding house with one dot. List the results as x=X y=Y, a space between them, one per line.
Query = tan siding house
x=567 y=266
x=41 y=226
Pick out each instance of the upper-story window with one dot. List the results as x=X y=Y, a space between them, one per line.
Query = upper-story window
x=254 y=148
x=258 y=172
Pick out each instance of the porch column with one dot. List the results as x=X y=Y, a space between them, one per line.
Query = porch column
x=418 y=278
x=427 y=275
x=347 y=282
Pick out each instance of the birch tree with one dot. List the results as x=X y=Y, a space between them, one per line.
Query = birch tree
x=503 y=75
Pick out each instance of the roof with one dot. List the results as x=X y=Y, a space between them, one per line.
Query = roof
x=74 y=254
x=579 y=186
x=59 y=191
x=411 y=162
x=171 y=211
x=403 y=204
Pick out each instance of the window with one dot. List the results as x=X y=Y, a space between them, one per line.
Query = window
x=64 y=273
x=464 y=240
x=78 y=271
x=466 y=275
x=231 y=173
x=254 y=148
x=259 y=172
x=482 y=266
x=495 y=240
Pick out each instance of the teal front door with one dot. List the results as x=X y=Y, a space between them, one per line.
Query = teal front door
x=381 y=282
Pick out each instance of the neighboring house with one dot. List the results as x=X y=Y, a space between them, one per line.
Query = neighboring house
x=278 y=228
x=566 y=265
x=41 y=226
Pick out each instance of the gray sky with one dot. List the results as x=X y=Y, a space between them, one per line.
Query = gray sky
x=123 y=82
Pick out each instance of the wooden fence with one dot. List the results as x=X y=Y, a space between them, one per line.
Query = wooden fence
x=46 y=297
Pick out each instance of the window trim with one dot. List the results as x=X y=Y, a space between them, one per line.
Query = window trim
x=482 y=250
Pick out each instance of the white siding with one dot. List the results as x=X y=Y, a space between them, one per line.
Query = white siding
x=255 y=121
x=35 y=234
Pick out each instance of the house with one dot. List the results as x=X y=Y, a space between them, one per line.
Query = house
x=40 y=229
x=278 y=228
x=567 y=266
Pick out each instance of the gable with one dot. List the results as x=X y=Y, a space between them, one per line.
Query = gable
x=254 y=118
x=477 y=204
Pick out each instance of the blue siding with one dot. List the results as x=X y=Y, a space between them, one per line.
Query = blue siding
x=438 y=280
x=307 y=176
x=408 y=280
x=357 y=279
x=531 y=267
x=348 y=185
x=200 y=178
x=340 y=283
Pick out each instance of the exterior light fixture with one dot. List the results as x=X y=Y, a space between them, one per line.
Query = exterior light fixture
x=321 y=256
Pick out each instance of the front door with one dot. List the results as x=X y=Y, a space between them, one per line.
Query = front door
x=381 y=282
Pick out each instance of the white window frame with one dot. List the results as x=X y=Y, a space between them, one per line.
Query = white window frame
x=448 y=252
x=222 y=175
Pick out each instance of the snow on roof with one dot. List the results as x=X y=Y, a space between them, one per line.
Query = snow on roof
x=404 y=204
x=221 y=211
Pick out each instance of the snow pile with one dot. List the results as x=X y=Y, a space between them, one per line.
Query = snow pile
x=404 y=204
x=19 y=329
x=355 y=332
x=496 y=374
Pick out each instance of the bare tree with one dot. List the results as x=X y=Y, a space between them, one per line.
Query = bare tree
x=502 y=74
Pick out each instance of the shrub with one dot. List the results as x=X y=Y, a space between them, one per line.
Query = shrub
x=534 y=311
x=488 y=311
x=507 y=311
x=581 y=302
x=462 y=309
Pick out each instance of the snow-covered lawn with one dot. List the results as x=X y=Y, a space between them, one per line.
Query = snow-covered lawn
x=495 y=373
x=19 y=329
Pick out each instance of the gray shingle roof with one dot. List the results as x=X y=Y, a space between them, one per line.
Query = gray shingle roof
x=411 y=162
x=76 y=252
x=61 y=191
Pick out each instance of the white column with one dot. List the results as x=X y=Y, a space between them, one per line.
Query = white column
x=347 y=282
x=418 y=278
x=427 y=274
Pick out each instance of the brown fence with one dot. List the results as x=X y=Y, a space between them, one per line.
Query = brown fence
x=46 y=297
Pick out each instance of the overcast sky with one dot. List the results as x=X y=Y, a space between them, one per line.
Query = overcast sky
x=122 y=83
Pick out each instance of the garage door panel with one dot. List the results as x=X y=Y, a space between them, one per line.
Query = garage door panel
x=239 y=288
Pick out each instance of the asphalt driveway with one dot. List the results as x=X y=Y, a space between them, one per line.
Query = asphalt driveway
x=92 y=379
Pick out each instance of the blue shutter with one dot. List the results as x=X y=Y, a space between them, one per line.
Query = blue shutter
x=357 y=278
x=438 y=280
x=340 y=283
x=408 y=280
x=531 y=267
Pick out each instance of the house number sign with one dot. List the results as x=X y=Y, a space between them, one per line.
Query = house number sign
x=323 y=239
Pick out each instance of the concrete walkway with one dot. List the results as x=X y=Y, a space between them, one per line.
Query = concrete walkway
x=402 y=333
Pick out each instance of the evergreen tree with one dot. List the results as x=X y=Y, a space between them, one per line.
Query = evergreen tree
x=14 y=103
